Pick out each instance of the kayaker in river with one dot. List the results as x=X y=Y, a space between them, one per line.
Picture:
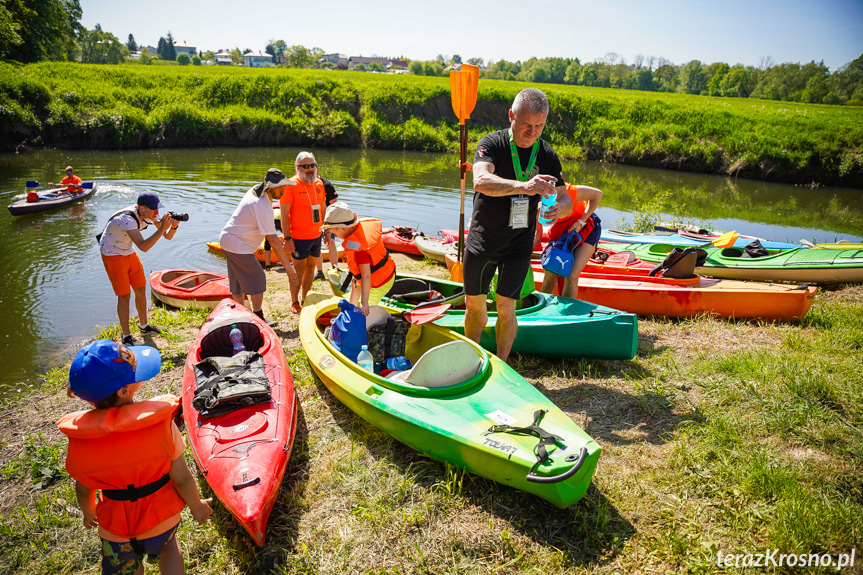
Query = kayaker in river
x=586 y=224
x=117 y=245
x=71 y=182
x=303 y=209
x=132 y=452
x=241 y=236
x=365 y=254
x=512 y=170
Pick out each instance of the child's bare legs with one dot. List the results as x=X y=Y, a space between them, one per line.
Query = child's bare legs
x=171 y=559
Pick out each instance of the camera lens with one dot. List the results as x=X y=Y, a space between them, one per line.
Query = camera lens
x=180 y=216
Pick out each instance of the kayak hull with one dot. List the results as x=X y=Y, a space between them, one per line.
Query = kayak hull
x=684 y=239
x=401 y=240
x=801 y=265
x=435 y=248
x=259 y=253
x=647 y=296
x=548 y=325
x=452 y=423
x=189 y=288
x=48 y=202
x=243 y=454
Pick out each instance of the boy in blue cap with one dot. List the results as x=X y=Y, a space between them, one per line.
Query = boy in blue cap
x=132 y=452
x=117 y=245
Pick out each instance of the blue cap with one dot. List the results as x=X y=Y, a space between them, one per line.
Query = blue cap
x=104 y=366
x=150 y=199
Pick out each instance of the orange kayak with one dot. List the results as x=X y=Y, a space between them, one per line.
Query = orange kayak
x=259 y=253
x=644 y=295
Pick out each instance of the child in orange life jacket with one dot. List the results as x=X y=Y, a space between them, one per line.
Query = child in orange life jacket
x=132 y=452
x=365 y=254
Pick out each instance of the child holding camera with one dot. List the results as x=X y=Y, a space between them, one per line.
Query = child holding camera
x=117 y=245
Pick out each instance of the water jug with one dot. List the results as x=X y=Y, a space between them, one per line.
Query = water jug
x=399 y=363
x=545 y=205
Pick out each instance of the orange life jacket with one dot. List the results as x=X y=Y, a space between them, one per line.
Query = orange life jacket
x=32 y=196
x=367 y=238
x=126 y=452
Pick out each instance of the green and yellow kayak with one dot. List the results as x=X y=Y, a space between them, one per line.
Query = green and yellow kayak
x=461 y=405
x=548 y=325
x=799 y=265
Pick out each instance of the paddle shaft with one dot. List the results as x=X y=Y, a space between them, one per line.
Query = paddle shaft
x=463 y=142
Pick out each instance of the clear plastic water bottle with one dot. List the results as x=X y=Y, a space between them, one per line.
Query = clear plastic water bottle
x=399 y=363
x=545 y=205
x=237 y=340
x=365 y=359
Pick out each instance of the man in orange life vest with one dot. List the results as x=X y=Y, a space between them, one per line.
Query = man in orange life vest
x=132 y=452
x=365 y=254
x=302 y=209
x=71 y=182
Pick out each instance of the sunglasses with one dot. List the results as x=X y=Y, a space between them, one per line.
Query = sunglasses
x=307 y=166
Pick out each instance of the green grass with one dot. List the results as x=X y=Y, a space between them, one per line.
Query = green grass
x=123 y=107
x=721 y=435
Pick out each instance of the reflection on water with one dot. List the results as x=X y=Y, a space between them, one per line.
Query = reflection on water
x=55 y=293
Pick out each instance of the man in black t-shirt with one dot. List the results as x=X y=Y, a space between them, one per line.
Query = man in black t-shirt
x=512 y=170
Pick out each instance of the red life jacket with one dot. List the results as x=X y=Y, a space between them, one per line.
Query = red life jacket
x=32 y=196
x=578 y=208
x=126 y=452
x=367 y=238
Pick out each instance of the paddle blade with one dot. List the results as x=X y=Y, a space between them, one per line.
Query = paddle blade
x=456 y=274
x=726 y=240
x=463 y=88
x=86 y=185
x=31 y=184
x=425 y=314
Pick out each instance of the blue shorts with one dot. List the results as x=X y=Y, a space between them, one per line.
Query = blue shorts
x=123 y=559
x=307 y=248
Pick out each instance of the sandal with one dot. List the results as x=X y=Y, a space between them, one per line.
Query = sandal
x=295 y=307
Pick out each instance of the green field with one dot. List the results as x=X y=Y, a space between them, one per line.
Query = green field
x=135 y=106
x=720 y=436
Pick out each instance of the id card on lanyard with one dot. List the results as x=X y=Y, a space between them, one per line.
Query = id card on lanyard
x=520 y=205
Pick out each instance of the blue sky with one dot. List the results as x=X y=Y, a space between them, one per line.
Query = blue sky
x=731 y=31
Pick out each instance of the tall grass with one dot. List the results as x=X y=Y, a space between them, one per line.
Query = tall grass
x=121 y=107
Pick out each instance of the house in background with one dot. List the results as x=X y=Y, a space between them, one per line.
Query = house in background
x=280 y=59
x=183 y=48
x=257 y=59
x=223 y=58
x=388 y=64
x=335 y=59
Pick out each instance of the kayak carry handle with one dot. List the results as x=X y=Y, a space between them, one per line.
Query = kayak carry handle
x=582 y=457
x=250 y=482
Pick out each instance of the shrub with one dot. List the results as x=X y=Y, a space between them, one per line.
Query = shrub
x=183 y=59
x=196 y=60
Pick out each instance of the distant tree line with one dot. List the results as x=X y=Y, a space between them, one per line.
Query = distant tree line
x=34 y=30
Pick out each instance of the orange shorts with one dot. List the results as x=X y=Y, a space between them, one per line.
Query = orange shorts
x=125 y=272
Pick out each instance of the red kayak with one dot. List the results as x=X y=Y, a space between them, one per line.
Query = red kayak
x=448 y=234
x=189 y=288
x=243 y=453
x=401 y=239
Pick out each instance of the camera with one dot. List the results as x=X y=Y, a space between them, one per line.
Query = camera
x=179 y=216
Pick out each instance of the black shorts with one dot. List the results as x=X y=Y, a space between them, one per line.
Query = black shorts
x=307 y=248
x=479 y=270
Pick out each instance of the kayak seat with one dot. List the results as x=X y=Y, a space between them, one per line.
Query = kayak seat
x=447 y=364
x=217 y=343
x=620 y=258
x=408 y=285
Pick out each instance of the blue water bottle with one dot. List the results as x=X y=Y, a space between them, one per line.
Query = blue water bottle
x=399 y=363
x=237 y=340
x=365 y=359
x=545 y=205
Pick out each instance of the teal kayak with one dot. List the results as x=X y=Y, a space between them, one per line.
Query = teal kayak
x=548 y=325
x=461 y=405
x=800 y=265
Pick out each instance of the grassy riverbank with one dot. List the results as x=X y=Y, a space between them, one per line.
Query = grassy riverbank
x=720 y=436
x=132 y=106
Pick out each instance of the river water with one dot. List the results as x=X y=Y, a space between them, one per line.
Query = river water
x=55 y=293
